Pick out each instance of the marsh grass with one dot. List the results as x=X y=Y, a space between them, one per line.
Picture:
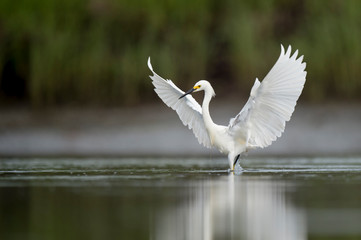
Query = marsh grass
x=95 y=52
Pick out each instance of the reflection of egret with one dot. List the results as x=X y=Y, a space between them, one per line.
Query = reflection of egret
x=261 y=120
x=232 y=207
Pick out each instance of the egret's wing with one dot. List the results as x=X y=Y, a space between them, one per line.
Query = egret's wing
x=271 y=102
x=189 y=111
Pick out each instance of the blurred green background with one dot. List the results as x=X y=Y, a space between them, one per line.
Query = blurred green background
x=94 y=52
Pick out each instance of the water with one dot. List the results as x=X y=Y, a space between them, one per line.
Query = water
x=180 y=198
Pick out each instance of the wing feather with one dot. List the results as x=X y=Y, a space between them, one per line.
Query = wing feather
x=272 y=101
x=187 y=108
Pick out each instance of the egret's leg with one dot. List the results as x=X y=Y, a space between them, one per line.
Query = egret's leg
x=232 y=161
x=237 y=169
x=236 y=160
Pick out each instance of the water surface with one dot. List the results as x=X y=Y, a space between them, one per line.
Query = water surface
x=180 y=198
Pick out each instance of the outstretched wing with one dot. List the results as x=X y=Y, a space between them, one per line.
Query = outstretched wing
x=189 y=111
x=271 y=102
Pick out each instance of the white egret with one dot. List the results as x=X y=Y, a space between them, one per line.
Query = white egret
x=258 y=124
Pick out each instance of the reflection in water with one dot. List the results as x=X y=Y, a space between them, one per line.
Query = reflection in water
x=233 y=208
x=163 y=199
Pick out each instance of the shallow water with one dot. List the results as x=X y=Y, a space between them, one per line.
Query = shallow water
x=180 y=198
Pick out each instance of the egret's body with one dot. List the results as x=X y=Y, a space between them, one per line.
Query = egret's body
x=261 y=120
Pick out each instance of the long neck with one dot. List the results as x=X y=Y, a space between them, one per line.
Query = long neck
x=205 y=110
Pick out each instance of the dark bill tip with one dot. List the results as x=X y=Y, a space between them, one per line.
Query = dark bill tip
x=188 y=92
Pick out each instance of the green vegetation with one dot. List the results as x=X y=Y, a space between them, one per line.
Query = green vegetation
x=95 y=51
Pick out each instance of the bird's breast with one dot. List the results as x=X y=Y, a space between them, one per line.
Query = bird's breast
x=220 y=139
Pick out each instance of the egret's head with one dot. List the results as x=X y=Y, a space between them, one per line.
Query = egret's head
x=199 y=86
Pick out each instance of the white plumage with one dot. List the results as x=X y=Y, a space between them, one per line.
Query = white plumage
x=261 y=120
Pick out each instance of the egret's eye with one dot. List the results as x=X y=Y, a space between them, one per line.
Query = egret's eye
x=197 y=87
